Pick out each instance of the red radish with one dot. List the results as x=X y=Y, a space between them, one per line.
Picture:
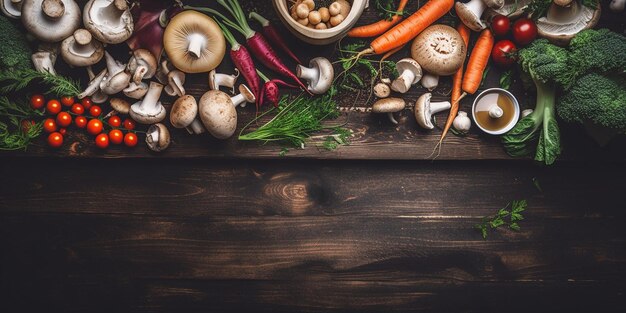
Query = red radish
x=243 y=61
x=257 y=43
x=270 y=92
x=271 y=33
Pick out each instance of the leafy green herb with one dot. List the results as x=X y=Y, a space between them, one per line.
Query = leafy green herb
x=505 y=79
x=339 y=137
x=15 y=81
x=14 y=135
x=353 y=78
x=387 y=9
x=295 y=121
x=485 y=72
x=504 y=217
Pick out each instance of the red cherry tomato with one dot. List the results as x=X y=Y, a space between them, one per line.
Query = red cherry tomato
x=129 y=124
x=102 y=141
x=130 y=140
x=94 y=127
x=53 y=107
x=500 y=25
x=116 y=136
x=524 y=31
x=55 y=140
x=95 y=111
x=27 y=125
x=64 y=119
x=67 y=101
x=86 y=102
x=49 y=125
x=78 y=109
x=115 y=121
x=80 y=121
x=37 y=102
x=503 y=53
x=63 y=131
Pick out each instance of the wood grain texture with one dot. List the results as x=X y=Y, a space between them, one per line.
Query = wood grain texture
x=225 y=236
x=374 y=137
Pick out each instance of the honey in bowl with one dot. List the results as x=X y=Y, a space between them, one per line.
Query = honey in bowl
x=495 y=111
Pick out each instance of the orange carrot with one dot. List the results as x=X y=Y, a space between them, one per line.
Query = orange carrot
x=476 y=65
x=456 y=84
x=410 y=27
x=379 y=27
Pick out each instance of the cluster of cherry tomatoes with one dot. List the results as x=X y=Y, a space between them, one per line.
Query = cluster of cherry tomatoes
x=523 y=32
x=83 y=115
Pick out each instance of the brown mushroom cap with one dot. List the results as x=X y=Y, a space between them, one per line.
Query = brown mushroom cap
x=246 y=93
x=120 y=105
x=388 y=105
x=439 y=49
x=142 y=65
x=191 y=26
x=183 y=111
x=218 y=114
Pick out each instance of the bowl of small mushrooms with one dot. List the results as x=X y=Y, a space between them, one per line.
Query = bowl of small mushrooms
x=319 y=22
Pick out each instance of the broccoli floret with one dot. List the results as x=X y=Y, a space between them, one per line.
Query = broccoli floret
x=14 y=50
x=595 y=98
x=600 y=51
x=547 y=63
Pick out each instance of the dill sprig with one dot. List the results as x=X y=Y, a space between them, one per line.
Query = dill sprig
x=13 y=134
x=15 y=81
x=295 y=121
x=500 y=219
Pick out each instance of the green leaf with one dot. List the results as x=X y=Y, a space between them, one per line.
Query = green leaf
x=516 y=217
x=503 y=212
x=497 y=222
x=505 y=79
x=514 y=226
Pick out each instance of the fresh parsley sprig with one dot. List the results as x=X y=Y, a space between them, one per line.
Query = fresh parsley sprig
x=505 y=217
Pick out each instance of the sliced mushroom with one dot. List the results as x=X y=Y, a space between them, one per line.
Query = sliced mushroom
x=562 y=22
x=389 y=106
x=136 y=91
x=110 y=21
x=93 y=89
x=217 y=113
x=410 y=73
x=184 y=114
x=50 y=20
x=142 y=65
x=81 y=50
x=470 y=13
x=149 y=110
x=424 y=110
x=319 y=74
x=173 y=80
x=194 y=42
x=12 y=8
x=117 y=79
x=45 y=58
x=217 y=80
x=158 y=137
x=440 y=50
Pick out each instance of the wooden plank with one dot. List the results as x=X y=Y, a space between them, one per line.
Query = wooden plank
x=153 y=235
x=374 y=137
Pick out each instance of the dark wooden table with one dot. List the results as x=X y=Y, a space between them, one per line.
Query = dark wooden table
x=213 y=226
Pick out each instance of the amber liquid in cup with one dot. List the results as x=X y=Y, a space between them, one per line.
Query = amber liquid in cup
x=486 y=102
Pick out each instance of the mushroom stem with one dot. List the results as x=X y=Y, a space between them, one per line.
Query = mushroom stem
x=476 y=6
x=225 y=80
x=403 y=83
x=152 y=96
x=153 y=135
x=436 y=107
x=139 y=73
x=195 y=127
x=113 y=66
x=392 y=118
x=239 y=99
x=307 y=73
x=495 y=111
x=178 y=87
x=94 y=84
x=196 y=43
x=115 y=9
x=53 y=9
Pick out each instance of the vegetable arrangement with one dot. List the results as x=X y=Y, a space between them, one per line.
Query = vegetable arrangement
x=578 y=72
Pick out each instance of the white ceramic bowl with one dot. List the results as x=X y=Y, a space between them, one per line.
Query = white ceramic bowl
x=316 y=36
x=515 y=114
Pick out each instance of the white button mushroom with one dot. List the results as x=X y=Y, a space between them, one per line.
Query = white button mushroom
x=184 y=115
x=110 y=21
x=320 y=75
x=45 y=58
x=194 y=42
x=462 y=122
x=218 y=114
x=217 y=80
x=93 y=89
x=136 y=91
x=149 y=110
x=470 y=13
x=334 y=8
x=389 y=106
x=142 y=65
x=495 y=111
x=12 y=8
x=158 y=137
x=302 y=10
x=410 y=73
x=173 y=79
x=117 y=79
x=424 y=109
x=440 y=50
x=617 y=5
x=50 y=20
x=81 y=50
